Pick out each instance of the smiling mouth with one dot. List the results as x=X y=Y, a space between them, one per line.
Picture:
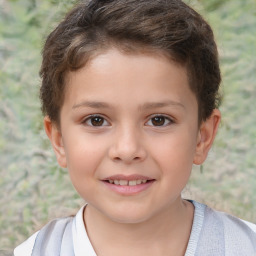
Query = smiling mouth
x=127 y=182
x=128 y=185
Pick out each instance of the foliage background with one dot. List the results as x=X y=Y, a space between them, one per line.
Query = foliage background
x=34 y=189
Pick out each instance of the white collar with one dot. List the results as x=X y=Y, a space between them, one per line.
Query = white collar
x=82 y=244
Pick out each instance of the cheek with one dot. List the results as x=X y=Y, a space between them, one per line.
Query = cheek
x=175 y=150
x=176 y=161
x=83 y=158
x=82 y=163
x=174 y=157
x=83 y=149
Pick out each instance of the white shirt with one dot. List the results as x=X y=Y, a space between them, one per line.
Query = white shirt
x=203 y=220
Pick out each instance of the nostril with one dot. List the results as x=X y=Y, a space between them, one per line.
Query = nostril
x=117 y=158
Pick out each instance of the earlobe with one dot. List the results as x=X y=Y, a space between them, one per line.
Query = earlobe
x=206 y=135
x=55 y=136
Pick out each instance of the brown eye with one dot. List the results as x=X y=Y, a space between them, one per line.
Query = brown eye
x=95 y=121
x=159 y=121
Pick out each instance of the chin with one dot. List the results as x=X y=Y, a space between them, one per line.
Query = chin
x=129 y=216
x=129 y=219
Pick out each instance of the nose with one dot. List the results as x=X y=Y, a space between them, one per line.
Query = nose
x=127 y=146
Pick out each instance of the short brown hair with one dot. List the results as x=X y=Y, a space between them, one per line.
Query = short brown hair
x=167 y=26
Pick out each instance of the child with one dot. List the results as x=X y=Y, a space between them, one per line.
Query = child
x=130 y=96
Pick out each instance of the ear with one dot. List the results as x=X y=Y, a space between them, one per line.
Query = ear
x=206 y=135
x=55 y=136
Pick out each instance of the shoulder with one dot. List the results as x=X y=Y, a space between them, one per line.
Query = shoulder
x=64 y=236
x=54 y=230
x=252 y=226
x=26 y=247
x=232 y=235
x=231 y=223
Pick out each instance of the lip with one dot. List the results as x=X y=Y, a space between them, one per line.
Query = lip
x=127 y=177
x=126 y=190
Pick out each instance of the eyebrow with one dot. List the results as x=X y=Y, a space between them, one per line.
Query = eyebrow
x=145 y=106
x=91 y=104
x=151 y=105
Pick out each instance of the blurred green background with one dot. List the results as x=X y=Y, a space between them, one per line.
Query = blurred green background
x=33 y=189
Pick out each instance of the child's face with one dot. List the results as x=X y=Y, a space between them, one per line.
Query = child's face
x=127 y=119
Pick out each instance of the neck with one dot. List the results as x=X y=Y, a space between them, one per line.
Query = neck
x=167 y=231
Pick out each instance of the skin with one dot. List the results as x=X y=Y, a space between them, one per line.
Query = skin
x=126 y=92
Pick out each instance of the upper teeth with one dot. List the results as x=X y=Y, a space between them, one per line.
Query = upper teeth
x=127 y=182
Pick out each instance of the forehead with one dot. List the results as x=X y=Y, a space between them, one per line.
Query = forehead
x=114 y=52
x=138 y=76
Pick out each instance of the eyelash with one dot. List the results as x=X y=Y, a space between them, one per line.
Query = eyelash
x=103 y=119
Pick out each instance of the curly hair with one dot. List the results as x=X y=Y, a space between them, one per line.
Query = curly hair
x=167 y=26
